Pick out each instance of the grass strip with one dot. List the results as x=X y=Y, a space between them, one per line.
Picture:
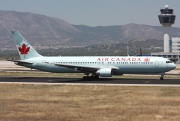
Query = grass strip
x=88 y=103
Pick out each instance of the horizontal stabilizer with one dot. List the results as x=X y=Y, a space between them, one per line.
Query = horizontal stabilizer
x=20 y=62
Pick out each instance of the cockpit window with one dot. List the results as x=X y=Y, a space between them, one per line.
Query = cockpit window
x=169 y=62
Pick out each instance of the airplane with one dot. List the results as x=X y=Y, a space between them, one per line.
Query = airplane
x=92 y=66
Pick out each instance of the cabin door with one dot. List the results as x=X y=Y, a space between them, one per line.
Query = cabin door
x=157 y=63
x=43 y=63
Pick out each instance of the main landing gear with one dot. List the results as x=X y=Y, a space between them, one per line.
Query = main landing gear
x=87 y=77
x=162 y=76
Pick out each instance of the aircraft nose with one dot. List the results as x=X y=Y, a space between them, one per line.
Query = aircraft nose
x=173 y=66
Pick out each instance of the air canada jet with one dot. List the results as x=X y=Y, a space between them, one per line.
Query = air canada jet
x=92 y=66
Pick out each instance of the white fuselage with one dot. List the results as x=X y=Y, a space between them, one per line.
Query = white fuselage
x=120 y=64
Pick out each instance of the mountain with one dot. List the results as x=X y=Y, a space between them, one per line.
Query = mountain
x=109 y=34
x=38 y=29
x=41 y=30
x=125 y=32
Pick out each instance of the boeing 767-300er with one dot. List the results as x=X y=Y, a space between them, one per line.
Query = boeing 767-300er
x=96 y=66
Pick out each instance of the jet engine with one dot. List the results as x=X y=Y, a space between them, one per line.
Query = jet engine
x=104 y=72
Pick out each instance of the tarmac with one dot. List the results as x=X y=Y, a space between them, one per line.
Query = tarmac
x=79 y=81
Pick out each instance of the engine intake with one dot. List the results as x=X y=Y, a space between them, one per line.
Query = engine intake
x=104 y=72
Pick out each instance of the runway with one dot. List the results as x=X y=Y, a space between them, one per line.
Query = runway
x=10 y=66
x=101 y=81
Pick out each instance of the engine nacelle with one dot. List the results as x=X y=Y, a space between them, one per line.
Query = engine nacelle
x=104 y=72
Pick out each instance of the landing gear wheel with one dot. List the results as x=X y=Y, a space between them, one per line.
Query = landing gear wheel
x=95 y=77
x=161 y=78
x=90 y=77
x=84 y=77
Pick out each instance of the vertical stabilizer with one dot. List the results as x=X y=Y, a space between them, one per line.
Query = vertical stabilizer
x=25 y=50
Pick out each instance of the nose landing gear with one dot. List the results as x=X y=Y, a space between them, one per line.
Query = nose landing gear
x=162 y=76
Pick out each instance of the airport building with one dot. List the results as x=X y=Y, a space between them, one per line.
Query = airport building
x=171 y=47
x=175 y=45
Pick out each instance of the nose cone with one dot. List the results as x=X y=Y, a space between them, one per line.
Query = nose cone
x=173 y=66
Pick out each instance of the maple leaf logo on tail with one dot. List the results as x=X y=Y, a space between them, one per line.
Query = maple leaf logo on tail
x=24 y=49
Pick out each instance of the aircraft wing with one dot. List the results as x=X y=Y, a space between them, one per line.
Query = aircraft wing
x=84 y=67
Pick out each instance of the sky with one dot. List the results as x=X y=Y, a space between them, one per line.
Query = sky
x=97 y=12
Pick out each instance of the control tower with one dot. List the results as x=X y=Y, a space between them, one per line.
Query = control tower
x=166 y=19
